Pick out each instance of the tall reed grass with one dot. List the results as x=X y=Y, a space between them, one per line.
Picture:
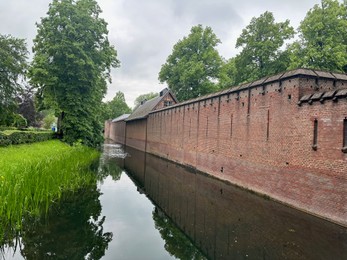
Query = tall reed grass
x=33 y=176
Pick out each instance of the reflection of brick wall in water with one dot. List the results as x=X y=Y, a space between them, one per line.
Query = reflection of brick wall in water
x=226 y=222
x=282 y=136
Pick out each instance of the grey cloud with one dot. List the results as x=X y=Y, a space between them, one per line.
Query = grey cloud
x=144 y=32
x=18 y=17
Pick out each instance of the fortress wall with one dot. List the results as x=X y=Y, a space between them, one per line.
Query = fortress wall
x=116 y=132
x=136 y=134
x=258 y=137
x=107 y=129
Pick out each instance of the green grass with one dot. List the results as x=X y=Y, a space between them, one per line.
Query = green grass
x=33 y=176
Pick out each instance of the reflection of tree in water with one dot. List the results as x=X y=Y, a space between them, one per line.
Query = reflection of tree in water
x=176 y=243
x=72 y=229
x=111 y=168
x=112 y=157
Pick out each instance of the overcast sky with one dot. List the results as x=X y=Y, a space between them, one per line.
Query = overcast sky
x=144 y=32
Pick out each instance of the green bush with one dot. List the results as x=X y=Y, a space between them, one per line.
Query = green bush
x=3 y=128
x=19 y=121
x=22 y=137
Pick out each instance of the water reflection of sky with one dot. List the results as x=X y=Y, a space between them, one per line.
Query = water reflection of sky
x=129 y=217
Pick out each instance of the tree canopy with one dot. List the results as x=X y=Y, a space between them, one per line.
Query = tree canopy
x=115 y=108
x=192 y=69
x=71 y=66
x=261 y=43
x=227 y=74
x=13 y=64
x=323 y=38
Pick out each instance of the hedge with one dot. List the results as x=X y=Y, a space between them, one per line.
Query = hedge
x=3 y=128
x=24 y=137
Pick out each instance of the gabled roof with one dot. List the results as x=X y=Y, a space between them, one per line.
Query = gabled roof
x=121 y=118
x=144 y=109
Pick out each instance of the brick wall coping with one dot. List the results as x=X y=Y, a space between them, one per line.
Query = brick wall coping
x=120 y=118
x=302 y=72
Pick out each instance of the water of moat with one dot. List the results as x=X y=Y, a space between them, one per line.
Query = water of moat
x=144 y=207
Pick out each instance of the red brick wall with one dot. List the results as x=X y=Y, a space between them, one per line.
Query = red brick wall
x=136 y=134
x=107 y=129
x=117 y=132
x=261 y=139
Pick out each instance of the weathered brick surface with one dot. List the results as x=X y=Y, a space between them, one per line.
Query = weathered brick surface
x=116 y=132
x=136 y=129
x=136 y=132
x=107 y=129
x=260 y=138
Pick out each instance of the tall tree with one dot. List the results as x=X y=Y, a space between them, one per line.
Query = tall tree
x=13 y=55
x=323 y=38
x=228 y=74
x=261 y=43
x=116 y=107
x=71 y=66
x=193 y=67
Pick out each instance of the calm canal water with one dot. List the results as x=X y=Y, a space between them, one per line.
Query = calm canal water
x=143 y=207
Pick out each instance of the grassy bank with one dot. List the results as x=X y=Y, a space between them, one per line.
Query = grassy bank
x=33 y=176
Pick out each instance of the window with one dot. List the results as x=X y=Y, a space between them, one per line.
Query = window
x=315 y=135
x=344 y=148
x=167 y=103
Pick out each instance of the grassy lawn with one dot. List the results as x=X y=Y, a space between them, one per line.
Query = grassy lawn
x=34 y=175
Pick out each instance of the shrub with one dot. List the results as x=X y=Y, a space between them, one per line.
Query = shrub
x=3 y=128
x=19 y=121
x=22 y=137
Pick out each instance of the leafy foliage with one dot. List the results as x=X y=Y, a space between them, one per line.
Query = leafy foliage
x=116 y=107
x=193 y=67
x=71 y=66
x=227 y=74
x=27 y=106
x=23 y=137
x=261 y=43
x=143 y=97
x=13 y=55
x=323 y=38
x=49 y=120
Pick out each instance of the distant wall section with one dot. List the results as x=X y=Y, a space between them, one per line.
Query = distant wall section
x=136 y=132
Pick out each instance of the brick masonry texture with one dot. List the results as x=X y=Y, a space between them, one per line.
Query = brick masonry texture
x=260 y=136
x=115 y=131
